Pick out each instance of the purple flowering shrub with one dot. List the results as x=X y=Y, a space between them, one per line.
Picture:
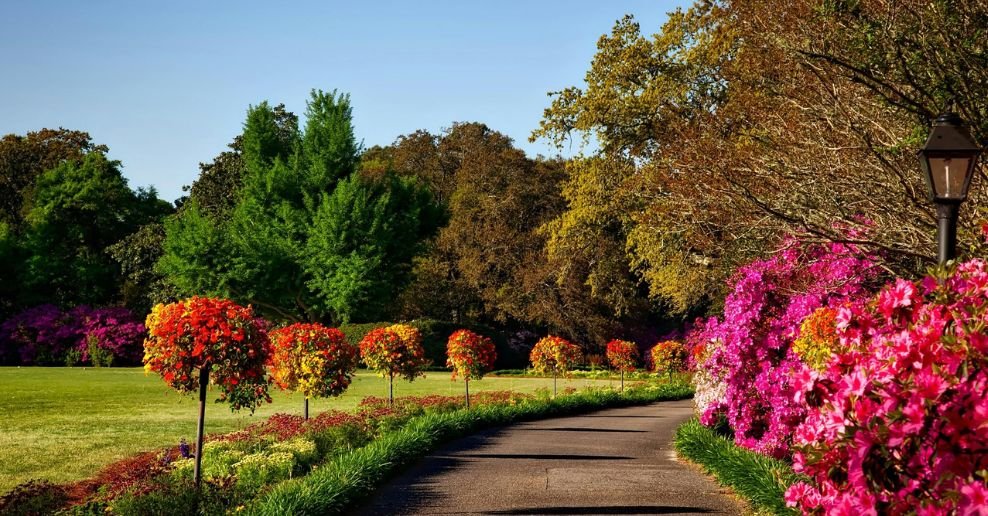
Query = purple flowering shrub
x=116 y=330
x=749 y=362
x=45 y=334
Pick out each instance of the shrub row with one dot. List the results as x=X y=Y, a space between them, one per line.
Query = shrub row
x=435 y=335
x=348 y=479
x=759 y=479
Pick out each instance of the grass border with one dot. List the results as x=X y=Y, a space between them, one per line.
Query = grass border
x=344 y=482
x=760 y=480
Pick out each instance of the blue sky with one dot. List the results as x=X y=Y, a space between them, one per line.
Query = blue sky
x=166 y=84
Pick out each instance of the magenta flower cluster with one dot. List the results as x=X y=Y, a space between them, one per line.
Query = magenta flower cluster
x=749 y=358
x=45 y=334
x=898 y=422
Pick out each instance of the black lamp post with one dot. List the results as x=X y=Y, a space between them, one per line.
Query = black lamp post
x=948 y=160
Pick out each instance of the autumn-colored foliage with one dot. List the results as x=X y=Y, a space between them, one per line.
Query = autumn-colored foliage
x=312 y=359
x=470 y=355
x=622 y=355
x=198 y=332
x=554 y=355
x=669 y=357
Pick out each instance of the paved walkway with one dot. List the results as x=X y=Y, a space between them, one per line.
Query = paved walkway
x=617 y=461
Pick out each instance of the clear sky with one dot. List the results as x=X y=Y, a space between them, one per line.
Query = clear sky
x=166 y=84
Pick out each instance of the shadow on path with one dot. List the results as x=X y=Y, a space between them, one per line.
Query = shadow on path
x=616 y=461
x=615 y=430
x=611 y=509
x=536 y=456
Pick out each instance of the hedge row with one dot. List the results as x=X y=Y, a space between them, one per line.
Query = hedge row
x=342 y=483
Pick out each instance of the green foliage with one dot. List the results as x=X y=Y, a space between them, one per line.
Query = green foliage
x=363 y=240
x=341 y=483
x=137 y=254
x=174 y=497
x=24 y=158
x=304 y=451
x=340 y=439
x=78 y=211
x=256 y=470
x=98 y=356
x=306 y=239
x=757 y=478
x=10 y=256
x=195 y=255
x=329 y=146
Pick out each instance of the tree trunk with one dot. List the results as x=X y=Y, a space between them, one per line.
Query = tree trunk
x=305 y=408
x=554 y=384
x=391 y=391
x=203 y=383
x=466 y=382
x=622 y=380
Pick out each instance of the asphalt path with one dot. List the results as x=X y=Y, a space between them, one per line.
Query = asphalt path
x=617 y=461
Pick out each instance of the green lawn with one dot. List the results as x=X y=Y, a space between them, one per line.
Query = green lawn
x=63 y=424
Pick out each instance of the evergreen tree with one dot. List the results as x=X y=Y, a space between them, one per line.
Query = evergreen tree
x=299 y=195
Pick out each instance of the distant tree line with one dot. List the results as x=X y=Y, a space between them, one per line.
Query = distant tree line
x=711 y=139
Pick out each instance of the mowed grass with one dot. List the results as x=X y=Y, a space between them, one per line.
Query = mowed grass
x=64 y=424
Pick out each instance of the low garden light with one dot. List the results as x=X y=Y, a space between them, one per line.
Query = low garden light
x=948 y=160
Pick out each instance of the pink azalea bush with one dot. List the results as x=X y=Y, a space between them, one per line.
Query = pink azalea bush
x=750 y=358
x=898 y=420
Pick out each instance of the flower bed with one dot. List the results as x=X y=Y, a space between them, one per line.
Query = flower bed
x=880 y=400
x=140 y=483
x=256 y=465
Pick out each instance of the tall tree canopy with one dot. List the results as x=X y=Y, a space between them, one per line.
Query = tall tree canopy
x=299 y=192
x=78 y=210
x=24 y=158
x=490 y=262
x=742 y=119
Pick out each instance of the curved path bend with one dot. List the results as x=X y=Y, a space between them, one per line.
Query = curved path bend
x=616 y=461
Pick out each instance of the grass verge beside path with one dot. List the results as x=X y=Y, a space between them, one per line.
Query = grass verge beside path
x=99 y=416
x=345 y=481
x=760 y=480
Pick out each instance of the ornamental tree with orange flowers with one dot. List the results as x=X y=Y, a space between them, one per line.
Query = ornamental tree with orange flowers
x=471 y=356
x=394 y=351
x=200 y=340
x=669 y=357
x=554 y=355
x=623 y=356
x=313 y=360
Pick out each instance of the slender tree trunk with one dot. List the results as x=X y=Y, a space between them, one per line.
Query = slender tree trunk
x=466 y=381
x=203 y=383
x=554 y=384
x=391 y=390
x=622 y=380
x=305 y=408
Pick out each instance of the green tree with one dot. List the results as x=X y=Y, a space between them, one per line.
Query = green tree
x=742 y=120
x=78 y=211
x=24 y=158
x=136 y=254
x=217 y=188
x=261 y=254
x=10 y=264
x=364 y=238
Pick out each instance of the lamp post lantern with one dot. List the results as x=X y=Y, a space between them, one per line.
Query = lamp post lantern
x=948 y=160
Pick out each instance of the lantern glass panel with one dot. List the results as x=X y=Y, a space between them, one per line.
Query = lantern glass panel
x=949 y=176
